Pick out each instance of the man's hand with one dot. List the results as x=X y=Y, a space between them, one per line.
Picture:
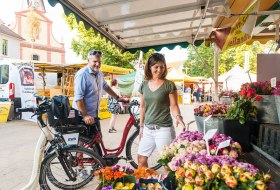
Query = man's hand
x=89 y=120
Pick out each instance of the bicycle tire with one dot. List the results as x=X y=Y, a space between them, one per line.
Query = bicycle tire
x=48 y=178
x=95 y=147
x=131 y=152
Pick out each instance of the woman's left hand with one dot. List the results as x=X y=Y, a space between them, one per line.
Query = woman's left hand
x=179 y=120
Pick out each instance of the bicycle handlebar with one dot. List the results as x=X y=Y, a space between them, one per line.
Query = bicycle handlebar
x=38 y=97
x=31 y=109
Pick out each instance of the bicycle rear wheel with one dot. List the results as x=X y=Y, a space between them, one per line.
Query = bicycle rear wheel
x=131 y=153
x=80 y=163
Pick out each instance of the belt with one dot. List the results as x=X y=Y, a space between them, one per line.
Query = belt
x=153 y=127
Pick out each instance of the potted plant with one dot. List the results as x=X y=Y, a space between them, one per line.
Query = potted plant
x=266 y=107
x=217 y=110
x=240 y=121
x=276 y=93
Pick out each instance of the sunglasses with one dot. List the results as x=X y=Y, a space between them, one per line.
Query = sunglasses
x=94 y=52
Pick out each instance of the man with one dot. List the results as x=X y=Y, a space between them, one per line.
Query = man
x=89 y=83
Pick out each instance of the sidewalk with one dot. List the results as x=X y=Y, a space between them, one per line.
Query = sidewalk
x=18 y=141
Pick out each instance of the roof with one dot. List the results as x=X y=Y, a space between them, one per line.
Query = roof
x=175 y=64
x=177 y=75
x=145 y=24
x=58 y=68
x=5 y=30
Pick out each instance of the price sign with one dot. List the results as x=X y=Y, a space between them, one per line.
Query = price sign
x=273 y=82
x=208 y=136
x=204 y=122
x=223 y=145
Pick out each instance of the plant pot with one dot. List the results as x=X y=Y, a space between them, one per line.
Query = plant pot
x=169 y=183
x=242 y=133
x=226 y=100
x=212 y=123
x=277 y=104
x=267 y=112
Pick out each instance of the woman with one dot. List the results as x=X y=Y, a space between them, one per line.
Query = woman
x=114 y=107
x=157 y=96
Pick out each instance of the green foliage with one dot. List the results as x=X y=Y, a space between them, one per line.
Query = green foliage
x=89 y=40
x=242 y=110
x=227 y=59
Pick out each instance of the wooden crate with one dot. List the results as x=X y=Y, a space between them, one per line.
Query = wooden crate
x=269 y=139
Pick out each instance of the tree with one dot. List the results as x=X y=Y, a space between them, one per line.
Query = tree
x=88 y=40
x=227 y=59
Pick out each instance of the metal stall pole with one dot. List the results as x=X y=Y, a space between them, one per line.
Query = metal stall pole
x=44 y=82
x=63 y=81
x=216 y=74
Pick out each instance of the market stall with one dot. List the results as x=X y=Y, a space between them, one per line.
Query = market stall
x=192 y=159
x=65 y=77
x=182 y=82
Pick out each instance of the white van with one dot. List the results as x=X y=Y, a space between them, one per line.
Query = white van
x=10 y=81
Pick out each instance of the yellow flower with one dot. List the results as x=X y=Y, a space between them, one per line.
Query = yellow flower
x=190 y=173
x=260 y=185
x=231 y=181
x=216 y=168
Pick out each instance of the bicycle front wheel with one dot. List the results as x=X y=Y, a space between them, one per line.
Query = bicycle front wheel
x=132 y=149
x=70 y=169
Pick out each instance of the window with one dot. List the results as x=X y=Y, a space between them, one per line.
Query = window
x=4 y=47
x=35 y=57
x=4 y=74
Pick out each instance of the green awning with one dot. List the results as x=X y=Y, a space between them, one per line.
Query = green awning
x=146 y=24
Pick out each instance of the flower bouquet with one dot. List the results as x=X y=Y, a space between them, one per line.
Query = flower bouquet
x=143 y=172
x=216 y=109
x=244 y=109
x=200 y=172
x=190 y=143
x=108 y=175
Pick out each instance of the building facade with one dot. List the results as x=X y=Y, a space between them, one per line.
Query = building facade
x=36 y=29
x=9 y=42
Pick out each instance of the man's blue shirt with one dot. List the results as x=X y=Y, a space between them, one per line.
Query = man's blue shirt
x=89 y=87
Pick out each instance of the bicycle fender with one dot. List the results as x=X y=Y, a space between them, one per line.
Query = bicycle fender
x=133 y=134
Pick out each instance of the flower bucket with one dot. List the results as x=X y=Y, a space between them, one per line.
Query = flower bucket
x=146 y=182
x=267 y=112
x=212 y=123
x=242 y=133
x=125 y=179
x=226 y=100
x=169 y=183
x=277 y=104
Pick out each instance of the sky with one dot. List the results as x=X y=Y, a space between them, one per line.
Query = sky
x=62 y=33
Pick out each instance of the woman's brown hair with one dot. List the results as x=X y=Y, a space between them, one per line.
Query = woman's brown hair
x=154 y=59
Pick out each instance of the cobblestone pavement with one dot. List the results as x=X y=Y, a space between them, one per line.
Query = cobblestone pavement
x=18 y=140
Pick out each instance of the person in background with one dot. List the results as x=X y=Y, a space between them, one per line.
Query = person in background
x=157 y=97
x=89 y=84
x=194 y=94
x=114 y=86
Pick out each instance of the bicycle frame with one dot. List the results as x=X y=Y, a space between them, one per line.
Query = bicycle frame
x=117 y=151
x=45 y=137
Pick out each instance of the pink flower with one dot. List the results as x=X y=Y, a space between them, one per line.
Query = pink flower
x=233 y=154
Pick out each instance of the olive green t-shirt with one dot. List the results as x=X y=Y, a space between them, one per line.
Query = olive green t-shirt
x=157 y=104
